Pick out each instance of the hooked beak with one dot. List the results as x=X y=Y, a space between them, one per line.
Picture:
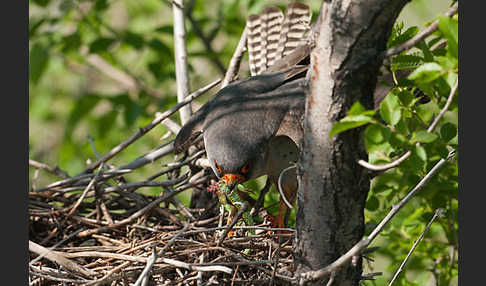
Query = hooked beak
x=231 y=180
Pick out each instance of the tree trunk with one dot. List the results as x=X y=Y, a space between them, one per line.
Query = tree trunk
x=351 y=39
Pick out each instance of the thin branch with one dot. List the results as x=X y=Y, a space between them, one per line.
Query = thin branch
x=280 y=190
x=206 y=42
x=117 y=149
x=109 y=274
x=446 y=106
x=407 y=154
x=235 y=62
x=358 y=247
x=56 y=245
x=49 y=169
x=240 y=212
x=421 y=35
x=61 y=260
x=126 y=80
x=400 y=268
x=180 y=55
x=83 y=195
x=148 y=267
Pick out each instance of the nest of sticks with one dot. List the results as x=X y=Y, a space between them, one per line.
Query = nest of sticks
x=95 y=228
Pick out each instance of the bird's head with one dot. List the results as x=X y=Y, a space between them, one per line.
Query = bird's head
x=235 y=158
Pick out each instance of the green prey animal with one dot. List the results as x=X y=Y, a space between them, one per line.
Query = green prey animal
x=232 y=200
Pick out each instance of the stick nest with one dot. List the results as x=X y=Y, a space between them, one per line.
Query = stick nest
x=94 y=229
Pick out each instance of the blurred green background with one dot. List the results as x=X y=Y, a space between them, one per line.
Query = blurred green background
x=71 y=99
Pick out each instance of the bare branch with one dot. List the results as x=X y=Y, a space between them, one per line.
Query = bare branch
x=49 y=169
x=420 y=36
x=400 y=268
x=127 y=81
x=146 y=270
x=234 y=65
x=61 y=260
x=205 y=40
x=180 y=54
x=235 y=219
x=280 y=190
x=117 y=149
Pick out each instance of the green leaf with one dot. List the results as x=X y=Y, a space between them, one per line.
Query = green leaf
x=106 y=122
x=448 y=131
x=390 y=109
x=82 y=107
x=377 y=134
x=132 y=112
x=372 y=203
x=71 y=42
x=406 y=62
x=166 y=29
x=428 y=56
x=426 y=73
x=449 y=27
x=420 y=152
x=100 y=45
x=423 y=136
x=349 y=122
x=34 y=25
x=101 y=5
x=134 y=40
x=38 y=60
x=42 y=3
x=358 y=109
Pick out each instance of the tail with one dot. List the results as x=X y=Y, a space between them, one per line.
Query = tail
x=272 y=36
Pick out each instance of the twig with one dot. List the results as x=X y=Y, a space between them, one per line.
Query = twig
x=83 y=195
x=61 y=260
x=234 y=65
x=446 y=106
x=108 y=275
x=407 y=154
x=240 y=212
x=173 y=239
x=56 y=245
x=180 y=55
x=199 y=273
x=358 y=247
x=421 y=35
x=280 y=190
x=150 y=263
x=49 y=169
x=117 y=149
x=128 y=81
x=331 y=279
x=206 y=42
x=400 y=268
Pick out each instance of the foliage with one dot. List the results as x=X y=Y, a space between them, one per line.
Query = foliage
x=71 y=99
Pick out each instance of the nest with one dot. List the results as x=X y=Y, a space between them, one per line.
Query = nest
x=94 y=229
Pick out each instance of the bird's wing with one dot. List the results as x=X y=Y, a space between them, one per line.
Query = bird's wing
x=191 y=130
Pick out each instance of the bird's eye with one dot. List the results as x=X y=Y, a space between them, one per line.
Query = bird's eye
x=220 y=170
x=245 y=169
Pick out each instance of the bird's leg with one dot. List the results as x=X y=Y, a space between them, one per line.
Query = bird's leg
x=232 y=211
x=280 y=220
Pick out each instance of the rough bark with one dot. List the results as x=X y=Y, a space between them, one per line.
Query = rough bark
x=333 y=188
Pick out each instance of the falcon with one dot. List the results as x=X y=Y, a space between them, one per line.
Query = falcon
x=253 y=127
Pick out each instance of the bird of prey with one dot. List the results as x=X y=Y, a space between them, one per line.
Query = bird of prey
x=253 y=127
